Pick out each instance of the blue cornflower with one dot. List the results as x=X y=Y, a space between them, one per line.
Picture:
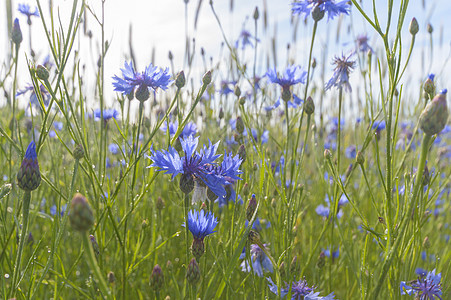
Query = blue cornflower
x=151 y=79
x=299 y=291
x=245 y=39
x=351 y=152
x=333 y=9
x=53 y=210
x=260 y=261
x=335 y=254
x=194 y=165
x=428 y=287
x=107 y=114
x=113 y=148
x=33 y=97
x=225 y=87
x=25 y=9
x=362 y=43
x=379 y=125
x=189 y=129
x=201 y=224
x=341 y=73
x=325 y=210
x=291 y=104
x=291 y=76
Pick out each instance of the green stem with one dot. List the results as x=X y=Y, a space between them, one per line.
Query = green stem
x=186 y=209
x=23 y=235
x=405 y=221
x=340 y=100
x=93 y=264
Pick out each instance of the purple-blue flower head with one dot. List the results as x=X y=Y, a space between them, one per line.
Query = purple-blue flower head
x=149 y=80
x=25 y=9
x=428 y=287
x=291 y=76
x=33 y=97
x=107 y=114
x=340 y=77
x=299 y=291
x=189 y=129
x=201 y=224
x=362 y=43
x=245 y=39
x=333 y=8
x=379 y=125
x=194 y=165
x=260 y=261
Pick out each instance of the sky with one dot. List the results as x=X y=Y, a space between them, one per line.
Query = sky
x=160 y=26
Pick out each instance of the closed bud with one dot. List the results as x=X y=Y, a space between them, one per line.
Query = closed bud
x=317 y=13
x=282 y=270
x=273 y=203
x=180 y=80
x=327 y=154
x=16 y=34
x=360 y=158
x=221 y=113
x=160 y=203
x=144 y=224
x=321 y=260
x=429 y=86
x=348 y=171
x=256 y=13
x=294 y=265
x=169 y=266
x=5 y=190
x=95 y=245
x=246 y=189
x=198 y=248
x=255 y=167
x=429 y=28
x=142 y=93
x=242 y=100
x=426 y=176
x=211 y=195
x=314 y=63
x=237 y=91
x=435 y=115
x=239 y=125
x=170 y=56
x=81 y=216
x=156 y=278
x=193 y=272
x=207 y=78
x=186 y=183
x=242 y=153
x=42 y=72
x=413 y=27
x=111 y=277
x=309 y=106
x=251 y=207
x=79 y=153
x=29 y=176
x=254 y=237
x=426 y=243
x=286 y=94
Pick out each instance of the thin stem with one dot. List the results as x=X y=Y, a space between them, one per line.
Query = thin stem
x=26 y=209
x=93 y=264
x=405 y=221
x=186 y=209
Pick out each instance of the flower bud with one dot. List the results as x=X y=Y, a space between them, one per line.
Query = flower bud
x=79 y=153
x=294 y=267
x=207 y=78
x=251 y=207
x=426 y=176
x=156 y=278
x=309 y=106
x=254 y=237
x=286 y=94
x=435 y=115
x=256 y=13
x=314 y=63
x=426 y=243
x=186 y=183
x=360 y=158
x=242 y=100
x=29 y=176
x=169 y=266
x=42 y=72
x=429 y=28
x=142 y=93
x=5 y=190
x=221 y=113
x=282 y=270
x=160 y=203
x=321 y=260
x=16 y=35
x=242 y=153
x=246 y=189
x=211 y=195
x=413 y=27
x=95 y=245
x=198 y=248
x=429 y=86
x=180 y=80
x=317 y=13
x=170 y=55
x=193 y=272
x=237 y=91
x=111 y=277
x=239 y=125
x=81 y=216
x=327 y=154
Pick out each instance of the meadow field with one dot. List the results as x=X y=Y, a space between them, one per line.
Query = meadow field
x=305 y=162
